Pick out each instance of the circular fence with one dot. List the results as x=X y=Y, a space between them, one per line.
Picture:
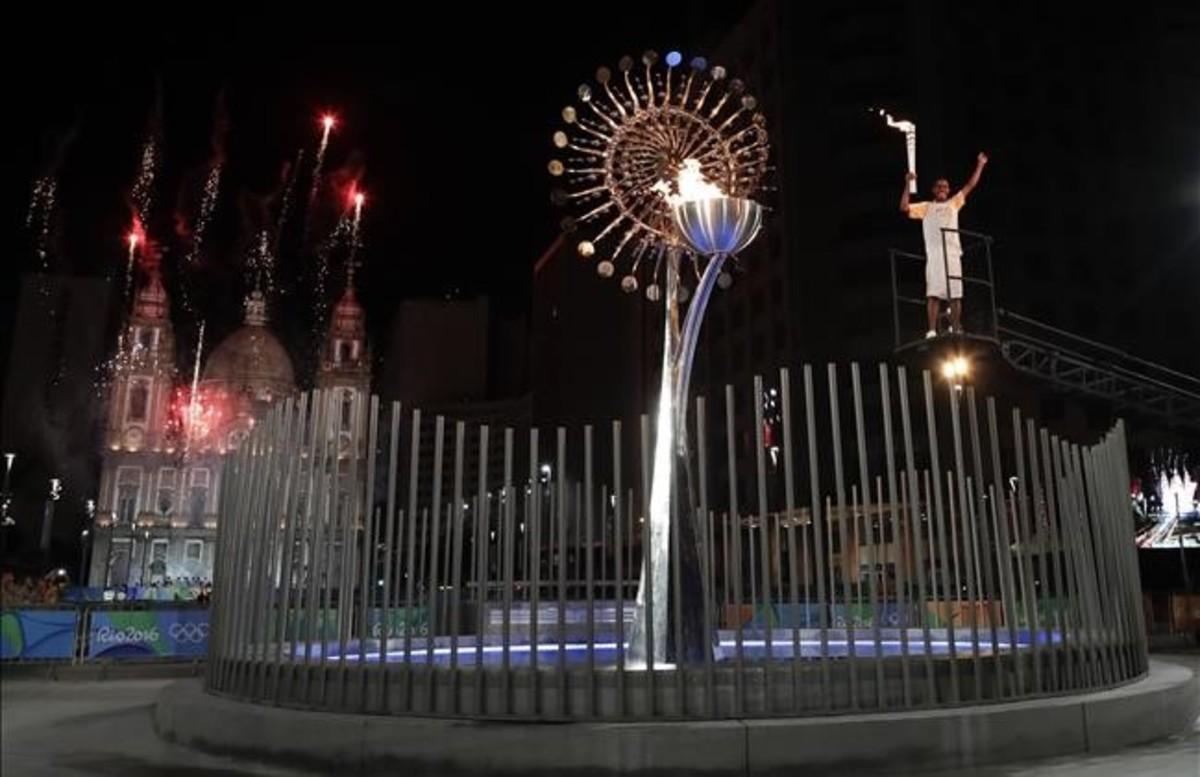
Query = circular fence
x=922 y=549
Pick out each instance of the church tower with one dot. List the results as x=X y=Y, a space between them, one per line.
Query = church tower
x=144 y=373
x=345 y=368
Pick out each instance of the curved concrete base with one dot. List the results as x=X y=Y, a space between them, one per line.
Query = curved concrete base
x=1165 y=702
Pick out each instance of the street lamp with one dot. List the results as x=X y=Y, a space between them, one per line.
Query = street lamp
x=6 y=496
x=145 y=557
x=956 y=369
x=48 y=515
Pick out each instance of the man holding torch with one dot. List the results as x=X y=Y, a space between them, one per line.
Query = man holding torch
x=943 y=256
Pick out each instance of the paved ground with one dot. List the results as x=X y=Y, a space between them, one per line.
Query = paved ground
x=96 y=728
x=105 y=728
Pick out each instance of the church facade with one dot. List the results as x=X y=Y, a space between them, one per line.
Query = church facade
x=167 y=434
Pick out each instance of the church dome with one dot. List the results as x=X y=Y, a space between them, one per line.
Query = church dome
x=251 y=362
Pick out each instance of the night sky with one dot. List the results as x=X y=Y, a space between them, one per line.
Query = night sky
x=445 y=120
x=446 y=127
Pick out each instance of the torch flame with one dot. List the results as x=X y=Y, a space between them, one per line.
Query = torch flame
x=691 y=185
x=901 y=124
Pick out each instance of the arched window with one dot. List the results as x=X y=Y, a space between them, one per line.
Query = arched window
x=198 y=495
x=139 y=401
x=129 y=485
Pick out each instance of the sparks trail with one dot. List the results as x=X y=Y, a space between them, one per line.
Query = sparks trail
x=285 y=203
x=41 y=209
x=341 y=231
x=208 y=204
x=261 y=265
x=359 y=198
x=143 y=186
x=135 y=238
x=328 y=122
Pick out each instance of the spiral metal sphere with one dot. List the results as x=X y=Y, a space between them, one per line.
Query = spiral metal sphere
x=624 y=143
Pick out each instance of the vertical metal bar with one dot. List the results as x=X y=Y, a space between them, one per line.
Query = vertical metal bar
x=706 y=541
x=307 y=538
x=411 y=618
x=1083 y=574
x=507 y=536
x=369 y=542
x=1025 y=541
x=970 y=535
x=345 y=514
x=290 y=518
x=250 y=495
x=935 y=466
x=534 y=560
x=739 y=679
x=1074 y=650
x=918 y=516
x=823 y=603
x=979 y=511
x=1105 y=572
x=1108 y=505
x=647 y=570
x=589 y=571
x=760 y=463
x=439 y=435
x=1044 y=531
x=902 y=592
x=1094 y=575
x=602 y=579
x=233 y=567
x=726 y=578
x=563 y=544
x=349 y=515
x=482 y=529
x=1063 y=587
x=619 y=569
x=1128 y=552
x=578 y=523
x=1005 y=540
x=876 y=614
x=835 y=420
x=673 y=570
x=267 y=594
x=260 y=561
x=789 y=501
x=1128 y=549
x=864 y=475
x=320 y=546
x=389 y=538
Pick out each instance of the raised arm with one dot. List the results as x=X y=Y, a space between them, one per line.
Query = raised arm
x=904 y=192
x=980 y=163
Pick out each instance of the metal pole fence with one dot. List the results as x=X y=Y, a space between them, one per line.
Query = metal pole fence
x=909 y=569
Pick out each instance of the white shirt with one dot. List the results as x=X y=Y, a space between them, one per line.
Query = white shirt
x=936 y=216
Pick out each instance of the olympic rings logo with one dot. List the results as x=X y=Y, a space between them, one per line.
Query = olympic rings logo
x=194 y=633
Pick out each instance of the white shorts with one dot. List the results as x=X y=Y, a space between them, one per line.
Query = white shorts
x=935 y=277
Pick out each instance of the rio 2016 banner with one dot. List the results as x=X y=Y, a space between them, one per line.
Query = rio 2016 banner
x=33 y=634
x=401 y=621
x=133 y=634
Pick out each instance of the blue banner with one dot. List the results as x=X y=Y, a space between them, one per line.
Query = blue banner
x=31 y=633
x=133 y=634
